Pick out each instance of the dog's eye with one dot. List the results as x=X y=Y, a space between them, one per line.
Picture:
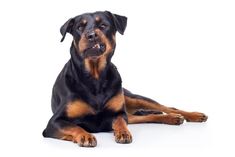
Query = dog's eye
x=102 y=26
x=80 y=28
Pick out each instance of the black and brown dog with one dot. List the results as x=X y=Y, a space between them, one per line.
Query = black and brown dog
x=88 y=95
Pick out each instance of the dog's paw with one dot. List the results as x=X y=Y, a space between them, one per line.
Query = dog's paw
x=123 y=136
x=173 y=119
x=85 y=140
x=196 y=117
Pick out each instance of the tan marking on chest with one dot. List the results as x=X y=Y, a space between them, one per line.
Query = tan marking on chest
x=116 y=102
x=78 y=108
x=94 y=67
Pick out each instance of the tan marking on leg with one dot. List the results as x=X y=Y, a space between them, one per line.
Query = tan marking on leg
x=172 y=119
x=195 y=116
x=132 y=104
x=121 y=132
x=78 y=108
x=77 y=135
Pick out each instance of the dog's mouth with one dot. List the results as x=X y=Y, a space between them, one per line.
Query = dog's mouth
x=95 y=50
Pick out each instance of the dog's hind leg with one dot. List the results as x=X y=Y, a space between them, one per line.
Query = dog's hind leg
x=136 y=102
x=172 y=118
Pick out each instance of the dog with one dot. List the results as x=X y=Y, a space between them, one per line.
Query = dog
x=88 y=96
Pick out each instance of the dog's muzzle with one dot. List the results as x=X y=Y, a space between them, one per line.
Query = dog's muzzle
x=94 y=50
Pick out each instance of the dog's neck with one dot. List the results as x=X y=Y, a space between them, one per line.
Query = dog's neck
x=93 y=67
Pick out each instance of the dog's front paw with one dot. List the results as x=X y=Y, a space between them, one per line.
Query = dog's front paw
x=123 y=136
x=85 y=140
x=196 y=117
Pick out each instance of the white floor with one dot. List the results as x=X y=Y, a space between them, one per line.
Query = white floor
x=215 y=137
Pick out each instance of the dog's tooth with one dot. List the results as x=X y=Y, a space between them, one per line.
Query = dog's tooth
x=96 y=46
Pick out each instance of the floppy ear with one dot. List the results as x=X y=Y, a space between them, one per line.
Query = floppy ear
x=119 y=21
x=67 y=27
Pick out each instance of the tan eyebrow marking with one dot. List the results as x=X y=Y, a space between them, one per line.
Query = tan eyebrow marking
x=84 y=21
x=97 y=18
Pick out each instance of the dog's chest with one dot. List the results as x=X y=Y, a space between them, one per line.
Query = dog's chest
x=98 y=102
x=97 y=96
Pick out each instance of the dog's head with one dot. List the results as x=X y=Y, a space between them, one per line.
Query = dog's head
x=94 y=33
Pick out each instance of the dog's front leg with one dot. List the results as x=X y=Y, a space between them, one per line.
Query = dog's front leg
x=61 y=127
x=119 y=124
x=121 y=132
x=64 y=130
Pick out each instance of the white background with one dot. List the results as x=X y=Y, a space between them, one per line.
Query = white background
x=180 y=53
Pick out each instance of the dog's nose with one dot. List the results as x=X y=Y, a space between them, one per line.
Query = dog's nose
x=91 y=36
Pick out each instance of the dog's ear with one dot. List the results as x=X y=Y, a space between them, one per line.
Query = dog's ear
x=67 y=27
x=119 y=21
